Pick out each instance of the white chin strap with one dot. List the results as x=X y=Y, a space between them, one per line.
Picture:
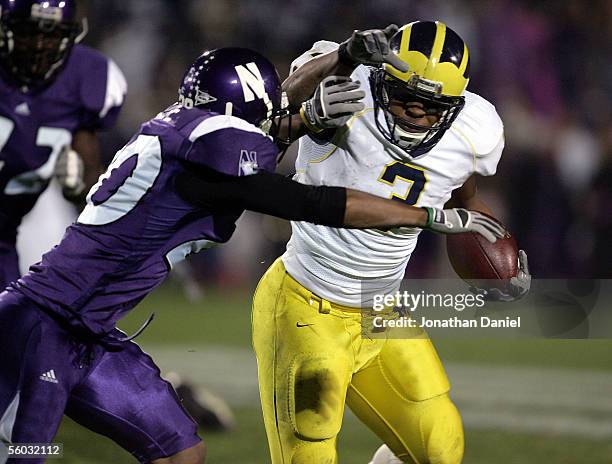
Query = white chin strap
x=407 y=139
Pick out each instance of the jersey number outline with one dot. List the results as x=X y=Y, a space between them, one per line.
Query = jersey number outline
x=127 y=180
x=413 y=175
x=32 y=182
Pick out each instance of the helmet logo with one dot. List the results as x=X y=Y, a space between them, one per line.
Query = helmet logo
x=202 y=98
x=252 y=83
x=248 y=163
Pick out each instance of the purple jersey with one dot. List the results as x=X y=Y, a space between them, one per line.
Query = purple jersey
x=36 y=126
x=135 y=226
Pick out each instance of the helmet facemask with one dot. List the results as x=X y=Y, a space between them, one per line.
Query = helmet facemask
x=276 y=112
x=413 y=138
x=33 y=50
x=272 y=124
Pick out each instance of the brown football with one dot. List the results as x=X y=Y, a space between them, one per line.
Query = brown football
x=475 y=259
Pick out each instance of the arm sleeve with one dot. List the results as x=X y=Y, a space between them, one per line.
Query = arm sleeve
x=486 y=164
x=103 y=91
x=482 y=130
x=266 y=193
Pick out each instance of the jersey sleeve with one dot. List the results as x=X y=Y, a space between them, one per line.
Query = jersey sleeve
x=231 y=146
x=482 y=131
x=486 y=164
x=318 y=48
x=103 y=89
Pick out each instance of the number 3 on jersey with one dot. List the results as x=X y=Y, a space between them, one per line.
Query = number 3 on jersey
x=397 y=173
x=127 y=179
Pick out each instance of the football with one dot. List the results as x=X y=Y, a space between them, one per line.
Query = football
x=481 y=263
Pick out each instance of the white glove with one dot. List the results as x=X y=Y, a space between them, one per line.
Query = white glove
x=333 y=104
x=371 y=47
x=518 y=287
x=69 y=171
x=459 y=220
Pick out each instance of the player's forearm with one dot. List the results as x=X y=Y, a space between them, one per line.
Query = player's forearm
x=291 y=128
x=467 y=197
x=301 y=84
x=87 y=144
x=368 y=211
x=476 y=204
x=279 y=196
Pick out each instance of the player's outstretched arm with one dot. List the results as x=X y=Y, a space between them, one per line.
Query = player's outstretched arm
x=282 y=197
x=371 y=47
x=321 y=90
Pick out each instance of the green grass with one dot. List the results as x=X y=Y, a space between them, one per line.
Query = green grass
x=220 y=319
x=247 y=445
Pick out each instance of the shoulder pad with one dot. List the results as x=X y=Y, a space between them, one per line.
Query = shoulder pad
x=479 y=123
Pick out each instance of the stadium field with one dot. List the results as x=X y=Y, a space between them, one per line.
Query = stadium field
x=527 y=401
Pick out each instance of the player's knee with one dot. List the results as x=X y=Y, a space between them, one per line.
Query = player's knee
x=431 y=434
x=314 y=452
x=442 y=430
x=194 y=455
x=200 y=453
x=317 y=389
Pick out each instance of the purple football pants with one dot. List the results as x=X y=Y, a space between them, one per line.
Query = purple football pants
x=46 y=372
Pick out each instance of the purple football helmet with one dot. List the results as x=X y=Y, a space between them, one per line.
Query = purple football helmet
x=235 y=81
x=36 y=37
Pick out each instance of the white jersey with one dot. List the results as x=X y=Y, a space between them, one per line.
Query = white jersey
x=348 y=266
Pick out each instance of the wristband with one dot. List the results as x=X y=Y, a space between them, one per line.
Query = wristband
x=430 y=216
x=306 y=120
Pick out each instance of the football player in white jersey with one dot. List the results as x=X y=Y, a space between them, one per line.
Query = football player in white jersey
x=419 y=138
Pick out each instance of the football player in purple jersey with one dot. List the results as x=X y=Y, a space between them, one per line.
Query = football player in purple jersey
x=176 y=188
x=55 y=95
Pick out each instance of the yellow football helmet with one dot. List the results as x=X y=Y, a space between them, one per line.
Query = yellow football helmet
x=438 y=75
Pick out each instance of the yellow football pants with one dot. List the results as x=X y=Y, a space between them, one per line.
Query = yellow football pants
x=312 y=359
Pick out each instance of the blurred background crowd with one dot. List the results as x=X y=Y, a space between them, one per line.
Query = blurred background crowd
x=544 y=64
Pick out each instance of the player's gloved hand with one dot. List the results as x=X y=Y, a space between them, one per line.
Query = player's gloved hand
x=69 y=171
x=518 y=287
x=336 y=99
x=371 y=47
x=459 y=220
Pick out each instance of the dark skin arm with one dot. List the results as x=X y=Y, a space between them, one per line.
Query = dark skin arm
x=87 y=145
x=368 y=211
x=467 y=197
x=301 y=84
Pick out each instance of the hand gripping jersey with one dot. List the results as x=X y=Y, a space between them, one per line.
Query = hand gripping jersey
x=135 y=226
x=350 y=266
x=34 y=127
